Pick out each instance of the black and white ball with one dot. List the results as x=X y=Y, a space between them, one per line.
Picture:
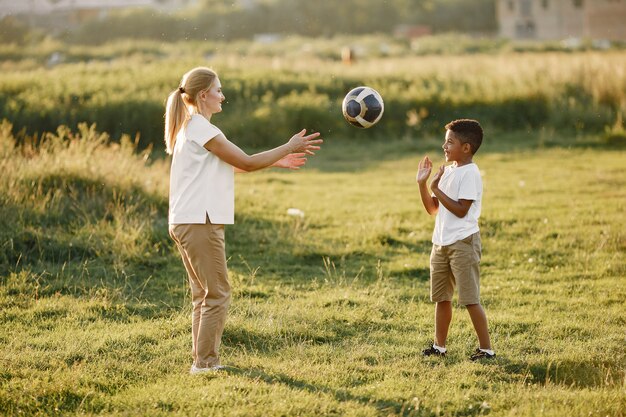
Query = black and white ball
x=363 y=107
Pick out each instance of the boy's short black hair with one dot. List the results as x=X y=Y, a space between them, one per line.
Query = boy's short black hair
x=468 y=131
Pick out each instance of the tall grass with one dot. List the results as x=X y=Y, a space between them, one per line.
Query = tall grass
x=330 y=310
x=122 y=89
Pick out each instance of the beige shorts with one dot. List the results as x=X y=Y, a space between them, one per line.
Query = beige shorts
x=456 y=265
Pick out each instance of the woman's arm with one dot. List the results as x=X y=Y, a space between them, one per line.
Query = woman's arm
x=292 y=161
x=233 y=155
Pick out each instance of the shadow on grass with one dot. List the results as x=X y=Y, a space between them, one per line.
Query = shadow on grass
x=61 y=231
x=582 y=374
x=410 y=274
x=262 y=242
x=343 y=395
x=273 y=342
x=61 y=400
x=333 y=331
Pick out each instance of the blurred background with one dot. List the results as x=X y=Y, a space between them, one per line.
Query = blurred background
x=286 y=64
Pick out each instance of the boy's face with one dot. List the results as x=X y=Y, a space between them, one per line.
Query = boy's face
x=453 y=149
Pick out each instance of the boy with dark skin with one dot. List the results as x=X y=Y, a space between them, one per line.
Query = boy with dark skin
x=455 y=197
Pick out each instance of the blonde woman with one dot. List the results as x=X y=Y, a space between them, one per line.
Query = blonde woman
x=202 y=199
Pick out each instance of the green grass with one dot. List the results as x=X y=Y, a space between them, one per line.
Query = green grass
x=330 y=311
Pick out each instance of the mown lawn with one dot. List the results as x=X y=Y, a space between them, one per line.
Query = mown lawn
x=330 y=310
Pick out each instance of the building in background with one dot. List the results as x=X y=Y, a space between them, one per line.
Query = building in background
x=562 y=19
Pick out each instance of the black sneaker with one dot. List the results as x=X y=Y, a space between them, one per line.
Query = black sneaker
x=479 y=354
x=431 y=351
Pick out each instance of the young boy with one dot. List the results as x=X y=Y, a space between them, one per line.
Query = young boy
x=456 y=199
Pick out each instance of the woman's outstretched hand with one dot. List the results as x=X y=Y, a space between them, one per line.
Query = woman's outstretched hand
x=307 y=144
x=292 y=161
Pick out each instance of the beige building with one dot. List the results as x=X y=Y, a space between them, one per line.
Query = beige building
x=561 y=19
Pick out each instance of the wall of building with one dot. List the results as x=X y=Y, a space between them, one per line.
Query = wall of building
x=572 y=14
x=561 y=19
x=558 y=19
x=506 y=18
x=605 y=19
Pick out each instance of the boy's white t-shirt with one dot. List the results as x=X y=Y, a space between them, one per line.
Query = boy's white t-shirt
x=200 y=182
x=458 y=183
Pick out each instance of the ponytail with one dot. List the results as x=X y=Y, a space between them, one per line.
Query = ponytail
x=176 y=114
x=177 y=111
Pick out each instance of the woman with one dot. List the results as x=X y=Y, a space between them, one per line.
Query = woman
x=202 y=199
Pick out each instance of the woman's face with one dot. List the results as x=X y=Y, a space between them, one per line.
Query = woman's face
x=211 y=99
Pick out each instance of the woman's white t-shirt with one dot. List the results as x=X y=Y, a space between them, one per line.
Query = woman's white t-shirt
x=201 y=184
x=458 y=183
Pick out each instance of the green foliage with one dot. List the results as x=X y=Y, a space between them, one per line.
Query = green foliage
x=478 y=16
x=62 y=211
x=232 y=20
x=275 y=90
x=330 y=310
x=139 y=24
x=14 y=31
x=616 y=134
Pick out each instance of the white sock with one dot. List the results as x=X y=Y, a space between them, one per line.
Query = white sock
x=439 y=348
x=489 y=351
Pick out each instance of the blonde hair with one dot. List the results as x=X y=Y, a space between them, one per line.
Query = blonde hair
x=185 y=96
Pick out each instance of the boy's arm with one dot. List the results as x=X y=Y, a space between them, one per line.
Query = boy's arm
x=458 y=208
x=430 y=203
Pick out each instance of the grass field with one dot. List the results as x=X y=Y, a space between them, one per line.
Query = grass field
x=330 y=310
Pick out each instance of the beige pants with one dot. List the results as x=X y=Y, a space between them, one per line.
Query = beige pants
x=202 y=248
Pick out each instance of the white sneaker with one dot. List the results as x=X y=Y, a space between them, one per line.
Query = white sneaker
x=195 y=370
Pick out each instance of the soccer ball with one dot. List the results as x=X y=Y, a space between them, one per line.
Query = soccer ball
x=363 y=107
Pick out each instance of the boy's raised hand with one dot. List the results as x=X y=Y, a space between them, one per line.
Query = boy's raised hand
x=423 y=171
x=435 y=182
